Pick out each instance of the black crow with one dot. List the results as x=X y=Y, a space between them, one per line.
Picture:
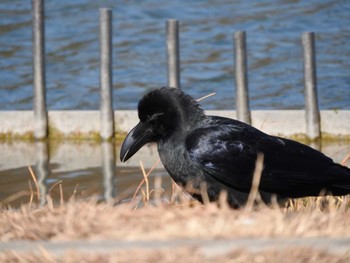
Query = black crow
x=221 y=152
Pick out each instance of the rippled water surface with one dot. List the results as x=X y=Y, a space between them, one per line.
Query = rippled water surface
x=273 y=36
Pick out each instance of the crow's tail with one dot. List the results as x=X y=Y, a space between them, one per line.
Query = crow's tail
x=341 y=176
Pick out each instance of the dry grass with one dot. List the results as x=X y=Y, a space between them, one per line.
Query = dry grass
x=90 y=220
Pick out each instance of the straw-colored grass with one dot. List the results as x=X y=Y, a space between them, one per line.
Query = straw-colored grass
x=76 y=220
x=93 y=221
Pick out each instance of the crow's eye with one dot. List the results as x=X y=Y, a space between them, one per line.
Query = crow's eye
x=152 y=121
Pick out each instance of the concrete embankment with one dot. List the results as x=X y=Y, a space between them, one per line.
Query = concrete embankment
x=208 y=248
x=86 y=124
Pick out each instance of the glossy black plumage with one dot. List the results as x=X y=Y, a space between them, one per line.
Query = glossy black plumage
x=195 y=148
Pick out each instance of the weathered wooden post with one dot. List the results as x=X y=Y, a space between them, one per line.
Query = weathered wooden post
x=241 y=77
x=312 y=113
x=39 y=81
x=173 y=54
x=106 y=82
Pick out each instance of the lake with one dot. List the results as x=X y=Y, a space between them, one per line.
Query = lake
x=273 y=29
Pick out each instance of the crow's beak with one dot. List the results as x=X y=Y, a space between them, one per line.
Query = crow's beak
x=136 y=138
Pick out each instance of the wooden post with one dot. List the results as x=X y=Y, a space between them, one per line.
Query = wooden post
x=106 y=82
x=173 y=56
x=241 y=76
x=310 y=84
x=40 y=112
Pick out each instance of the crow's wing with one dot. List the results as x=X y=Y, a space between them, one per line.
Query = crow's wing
x=227 y=149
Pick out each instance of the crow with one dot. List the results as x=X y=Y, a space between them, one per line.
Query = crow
x=221 y=153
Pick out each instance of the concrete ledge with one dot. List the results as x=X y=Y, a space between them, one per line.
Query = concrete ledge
x=207 y=247
x=86 y=124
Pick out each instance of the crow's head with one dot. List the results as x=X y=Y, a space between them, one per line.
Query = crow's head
x=162 y=112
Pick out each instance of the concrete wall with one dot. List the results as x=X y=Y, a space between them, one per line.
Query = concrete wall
x=86 y=124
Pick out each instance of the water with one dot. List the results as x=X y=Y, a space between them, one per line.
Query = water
x=85 y=169
x=273 y=28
